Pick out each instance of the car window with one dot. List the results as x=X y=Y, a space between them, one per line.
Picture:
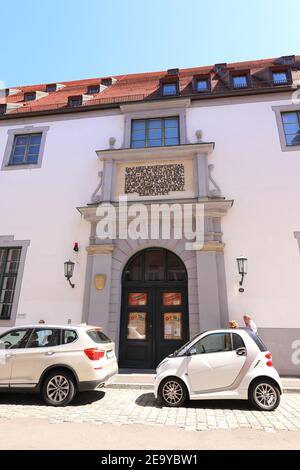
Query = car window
x=98 y=336
x=69 y=336
x=216 y=342
x=15 y=339
x=44 y=337
x=237 y=341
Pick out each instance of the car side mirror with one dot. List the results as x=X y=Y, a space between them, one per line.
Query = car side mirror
x=241 y=351
x=192 y=351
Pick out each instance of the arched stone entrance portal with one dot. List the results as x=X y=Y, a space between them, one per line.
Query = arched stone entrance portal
x=154 y=309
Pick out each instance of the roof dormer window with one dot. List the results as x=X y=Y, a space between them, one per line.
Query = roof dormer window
x=240 y=81
x=108 y=81
x=170 y=89
x=51 y=87
x=93 y=89
x=202 y=84
x=30 y=96
x=75 y=101
x=280 y=77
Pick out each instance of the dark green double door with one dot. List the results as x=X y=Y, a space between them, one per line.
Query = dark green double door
x=154 y=323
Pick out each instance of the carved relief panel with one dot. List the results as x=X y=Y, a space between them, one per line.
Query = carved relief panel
x=155 y=179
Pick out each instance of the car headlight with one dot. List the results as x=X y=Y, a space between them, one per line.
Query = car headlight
x=161 y=363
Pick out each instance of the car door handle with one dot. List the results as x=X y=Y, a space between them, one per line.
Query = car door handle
x=49 y=353
x=8 y=356
x=241 y=351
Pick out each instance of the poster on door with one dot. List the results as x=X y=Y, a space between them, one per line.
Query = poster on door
x=136 y=325
x=137 y=298
x=173 y=325
x=172 y=298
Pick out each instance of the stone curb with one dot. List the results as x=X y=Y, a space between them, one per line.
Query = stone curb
x=137 y=386
x=132 y=386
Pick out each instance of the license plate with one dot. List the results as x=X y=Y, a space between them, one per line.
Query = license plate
x=109 y=354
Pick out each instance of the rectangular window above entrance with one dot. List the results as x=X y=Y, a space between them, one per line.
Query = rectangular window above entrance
x=154 y=132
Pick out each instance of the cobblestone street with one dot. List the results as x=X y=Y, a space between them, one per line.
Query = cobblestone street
x=122 y=407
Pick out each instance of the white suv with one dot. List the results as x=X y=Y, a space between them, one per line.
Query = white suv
x=220 y=364
x=56 y=360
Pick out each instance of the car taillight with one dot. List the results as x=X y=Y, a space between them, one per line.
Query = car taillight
x=94 y=354
x=269 y=357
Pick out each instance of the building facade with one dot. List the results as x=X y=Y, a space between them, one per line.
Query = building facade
x=76 y=156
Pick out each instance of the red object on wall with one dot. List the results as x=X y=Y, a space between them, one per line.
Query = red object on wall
x=76 y=247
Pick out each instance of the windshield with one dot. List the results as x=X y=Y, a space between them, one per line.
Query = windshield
x=98 y=336
x=181 y=351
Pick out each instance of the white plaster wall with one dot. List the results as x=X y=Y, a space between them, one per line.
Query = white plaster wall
x=264 y=183
x=40 y=205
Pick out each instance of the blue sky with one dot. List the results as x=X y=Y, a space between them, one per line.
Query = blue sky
x=57 y=40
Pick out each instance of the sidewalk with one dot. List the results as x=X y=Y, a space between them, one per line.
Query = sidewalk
x=144 y=380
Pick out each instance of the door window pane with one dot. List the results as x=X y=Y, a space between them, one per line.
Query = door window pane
x=136 y=325
x=172 y=298
x=237 y=342
x=173 y=325
x=217 y=342
x=44 y=337
x=137 y=298
x=14 y=339
x=69 y=336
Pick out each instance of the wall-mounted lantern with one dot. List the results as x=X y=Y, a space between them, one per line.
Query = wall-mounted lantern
x=69 y=269
x=242 y=268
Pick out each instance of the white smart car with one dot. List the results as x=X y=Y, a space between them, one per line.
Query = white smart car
x=56 y=360
x=220 y=364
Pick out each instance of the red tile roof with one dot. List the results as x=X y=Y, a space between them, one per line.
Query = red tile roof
x=146 y=86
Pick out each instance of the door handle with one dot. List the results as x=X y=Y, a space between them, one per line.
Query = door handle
x=49 y=353
x=8 y=356
x=241 y=351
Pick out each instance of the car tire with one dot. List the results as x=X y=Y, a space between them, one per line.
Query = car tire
x=264 y=395
x=59 y=388
x=172 y=392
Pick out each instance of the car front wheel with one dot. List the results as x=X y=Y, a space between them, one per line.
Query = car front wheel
x=172 y=392
x=264 y=395
x=59 y=388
